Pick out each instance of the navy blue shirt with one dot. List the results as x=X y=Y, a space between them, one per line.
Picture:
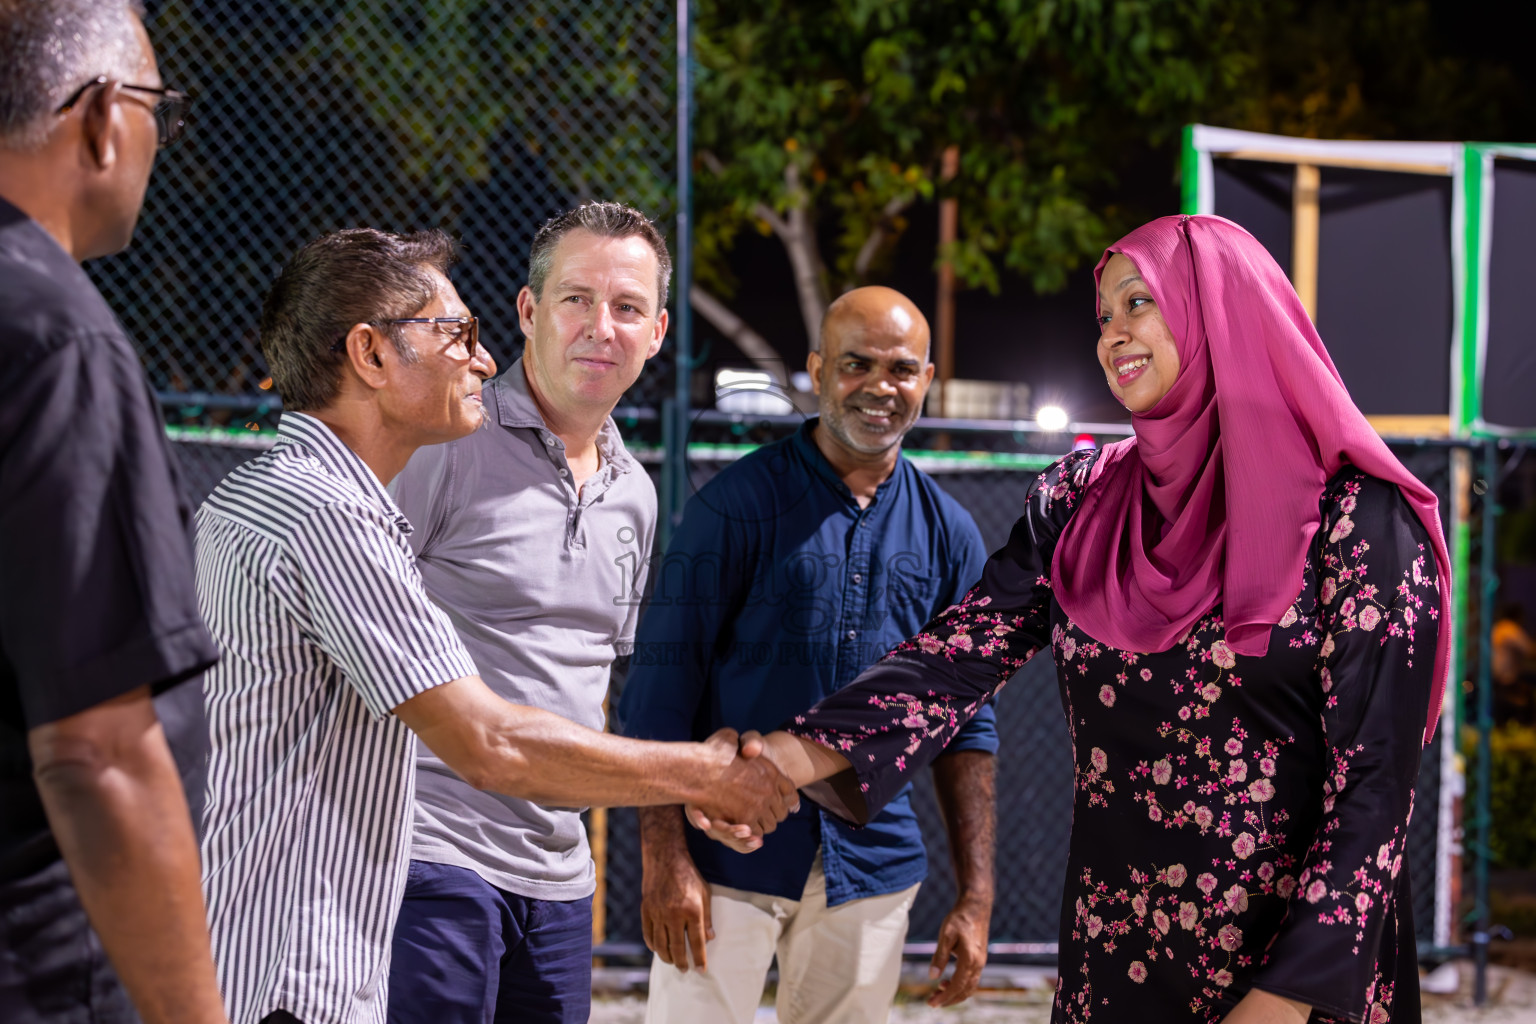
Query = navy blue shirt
x=776 y=591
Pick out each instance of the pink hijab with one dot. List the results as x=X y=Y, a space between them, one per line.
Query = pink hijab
x=1215 y=500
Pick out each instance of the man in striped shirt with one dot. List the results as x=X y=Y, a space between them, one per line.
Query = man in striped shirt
x=334 y=655
x=533 y=536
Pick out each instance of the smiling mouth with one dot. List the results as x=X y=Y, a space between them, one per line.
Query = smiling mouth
x=876 y=417
x=1131 y=368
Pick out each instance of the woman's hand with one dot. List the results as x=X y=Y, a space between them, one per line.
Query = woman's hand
x=1260 y=1007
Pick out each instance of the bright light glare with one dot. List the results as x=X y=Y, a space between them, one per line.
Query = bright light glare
x=1052 y=417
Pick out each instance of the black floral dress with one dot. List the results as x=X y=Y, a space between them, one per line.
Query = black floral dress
x=1237 y=822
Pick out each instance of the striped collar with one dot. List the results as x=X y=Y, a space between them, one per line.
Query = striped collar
x=297 y=428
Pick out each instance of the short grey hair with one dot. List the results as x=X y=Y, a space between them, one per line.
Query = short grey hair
x=50 y=48
x=606 y=220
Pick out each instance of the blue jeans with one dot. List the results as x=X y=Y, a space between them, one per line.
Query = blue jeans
x=466 y=952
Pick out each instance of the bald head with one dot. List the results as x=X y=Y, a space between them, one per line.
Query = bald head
x=871 y=374
x=873 y=311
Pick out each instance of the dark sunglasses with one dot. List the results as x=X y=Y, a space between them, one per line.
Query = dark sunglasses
x=170 y=109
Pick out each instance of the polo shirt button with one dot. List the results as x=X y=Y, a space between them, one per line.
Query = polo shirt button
x=857 y=578
x=548 y=439
x=565 y=472
x=853 y=634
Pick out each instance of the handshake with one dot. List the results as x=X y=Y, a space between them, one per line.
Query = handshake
x=756 y=784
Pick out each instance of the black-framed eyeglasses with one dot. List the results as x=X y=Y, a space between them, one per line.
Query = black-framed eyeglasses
x=170 y=109
x=459 y=330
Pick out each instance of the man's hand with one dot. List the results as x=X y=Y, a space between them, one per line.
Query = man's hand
x=963 y=935
x=674 y=898
x=1260 y=1007
x=749 y=791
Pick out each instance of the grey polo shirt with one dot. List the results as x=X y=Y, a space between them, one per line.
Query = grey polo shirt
x=543 y=585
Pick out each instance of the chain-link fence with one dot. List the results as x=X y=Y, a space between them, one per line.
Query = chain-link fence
x=475 y=116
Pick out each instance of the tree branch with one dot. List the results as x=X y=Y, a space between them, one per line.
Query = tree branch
x=877 y=237
x=752 y=345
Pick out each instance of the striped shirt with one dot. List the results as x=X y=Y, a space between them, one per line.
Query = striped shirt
x=307 y=581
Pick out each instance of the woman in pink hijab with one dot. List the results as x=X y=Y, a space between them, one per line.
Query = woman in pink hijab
x=1247 y=605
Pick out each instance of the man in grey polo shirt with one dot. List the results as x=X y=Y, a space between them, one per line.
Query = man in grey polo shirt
x=533 y=535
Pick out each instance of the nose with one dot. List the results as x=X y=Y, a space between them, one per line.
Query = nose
x=1114 y=333
x=601 y=326
x=481 y=364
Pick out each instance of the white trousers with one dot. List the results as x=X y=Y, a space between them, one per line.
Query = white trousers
x=837 y=965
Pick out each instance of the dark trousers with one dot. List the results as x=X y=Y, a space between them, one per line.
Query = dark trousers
x=52 y=966
x=466 y=952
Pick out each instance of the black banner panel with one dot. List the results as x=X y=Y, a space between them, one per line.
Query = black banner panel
x=1384 y=291
x=1257 y=196
x=1385 y=298
x=1509 y=375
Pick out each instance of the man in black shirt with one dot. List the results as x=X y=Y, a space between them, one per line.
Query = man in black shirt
x=98 y=611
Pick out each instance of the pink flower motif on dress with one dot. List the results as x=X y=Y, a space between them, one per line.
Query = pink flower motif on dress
x=1222 y=655
x=1237 y=770
x=1233 y=746
x=1211 y=692
x=1289 y=618
x=1162 y=771
x=1189 y=916
x=1068 y=647
x=1098 y=759
x=1370 y=618
x=1146 y=675
x=1175 y=875
x=1204 y=817
x=1095 y=925
x=1244 y=846
x=929 y=644
x=1230 y=938
x=1329 y=589
x=1139 y=904
x=1341 y=529
x=1267 y=766
x=1160 y=921
x=1236 y=899
x=1317 y=890
x=1261 y=790
x=1107 y=695
x=960 y=641
x=1206 y=883
x=1137 y=971
x=1222 y=977
x=1362 y=902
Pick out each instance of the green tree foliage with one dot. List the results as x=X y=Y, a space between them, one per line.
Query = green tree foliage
x=825 y=122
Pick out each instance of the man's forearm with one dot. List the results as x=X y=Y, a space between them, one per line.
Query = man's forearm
x=539 y=756
x=117 y=810
x=662 y=833
x=966 y=786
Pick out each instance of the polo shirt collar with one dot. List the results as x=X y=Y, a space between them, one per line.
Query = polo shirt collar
x=516 y=408
x=805 y=444
x=338 y=460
